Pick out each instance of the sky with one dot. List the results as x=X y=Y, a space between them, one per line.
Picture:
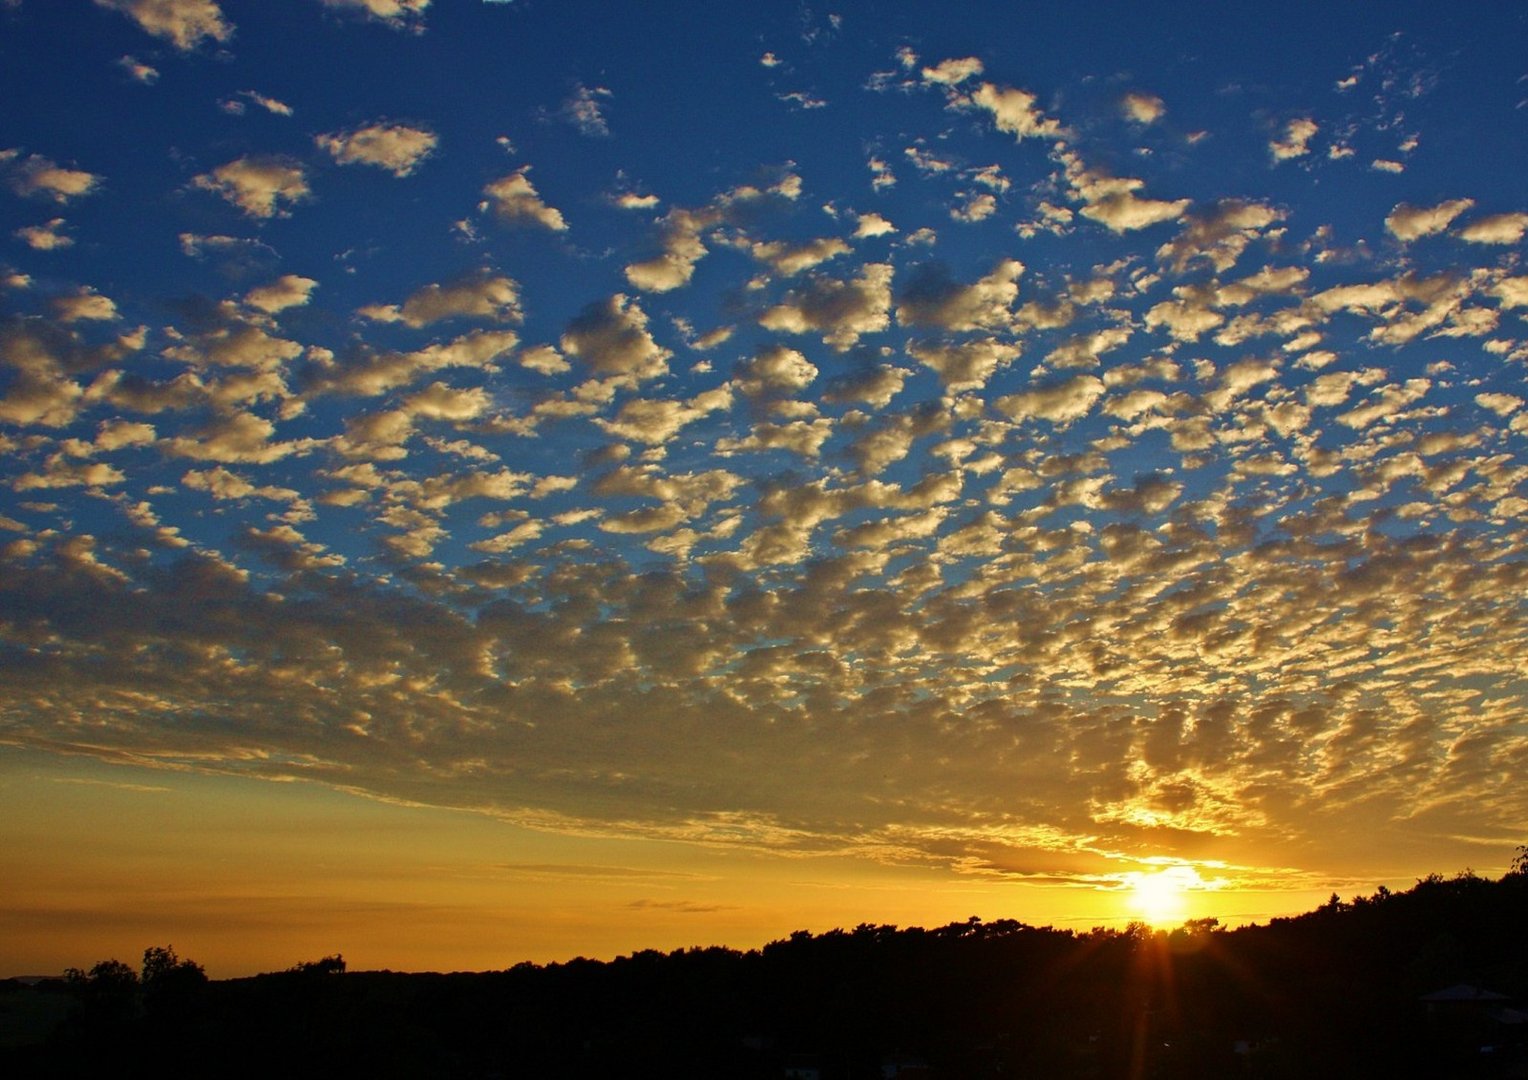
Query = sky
x=496 y=481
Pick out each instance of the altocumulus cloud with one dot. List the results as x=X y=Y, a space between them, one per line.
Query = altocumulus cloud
x=1082 y=489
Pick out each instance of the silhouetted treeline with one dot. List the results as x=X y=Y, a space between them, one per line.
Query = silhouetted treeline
x=1335 y=992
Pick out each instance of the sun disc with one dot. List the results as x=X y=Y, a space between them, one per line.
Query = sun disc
x=1161 y=898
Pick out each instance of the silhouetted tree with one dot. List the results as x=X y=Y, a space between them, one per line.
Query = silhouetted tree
x=108 y=975
x=329 y=965
x=108 y=997
x=169 y=983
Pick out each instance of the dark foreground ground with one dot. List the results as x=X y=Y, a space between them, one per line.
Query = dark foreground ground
x=1430 y=982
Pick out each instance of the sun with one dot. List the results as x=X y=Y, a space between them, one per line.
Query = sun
x=1161 y=898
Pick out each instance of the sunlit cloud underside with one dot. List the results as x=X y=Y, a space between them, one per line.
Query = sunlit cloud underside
x=918 y=455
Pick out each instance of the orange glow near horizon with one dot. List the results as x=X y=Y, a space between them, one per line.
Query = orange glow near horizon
x=245 y=876
x=899 y=467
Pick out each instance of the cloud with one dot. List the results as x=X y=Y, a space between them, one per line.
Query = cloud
x=287 y=291
x=60 y=473
x=1218 y=236
x=1142 y=108
x=224 y=485
x=138 y=71
x=227 y=337
x=805 y=438
x=36 y=175
x=683 y=495
x=235 y=438
x=1123 y=211
x=584 y=110
x=1237 y=378
x=841 y=311
x=47 y=355
x=1295 y=141
x=397 y=148
x=775 y=369
x=1052 y=219
x=544 y=359
x=1188 y=317
x=1014 y=111
x=800 y=100
x=367 y=373
x=234 y=257
x=1112 y=200
x=1512 y=291
x=1407 y=223
x=966 y=365
x=477 y=296
x=1500 y=404
x=976 y=206
x=891 y=439
x=791 y=259
x=235 y=106
x=1148 y=496
x=1130 y=405
x=689 y=907
x=1387 y=404
x=1060 y=403
x=399 y=14
x=1394 y=303
x=611 y=337
x=928 y=163
x=630 y=200
x=932 y=299
x=84 y=304
x=1084 y=350
x=872 y=224
x=441 y=402
x=1181 y=537
x=656 y=422
x=516 y=202
x=682 y=249
x=682 y=233
x=953 y=72
x=183 y=23
x=1496 y=229
x=262 y=187
x=40 y=395
x=873 y=386
x=48 y=236
x=115 y=434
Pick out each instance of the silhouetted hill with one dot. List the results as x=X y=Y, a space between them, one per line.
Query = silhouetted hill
x=1336 y=992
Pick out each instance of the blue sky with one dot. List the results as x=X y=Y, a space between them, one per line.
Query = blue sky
x=1030 y=446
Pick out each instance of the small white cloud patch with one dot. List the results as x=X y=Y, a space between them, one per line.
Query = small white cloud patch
x=397 y=148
